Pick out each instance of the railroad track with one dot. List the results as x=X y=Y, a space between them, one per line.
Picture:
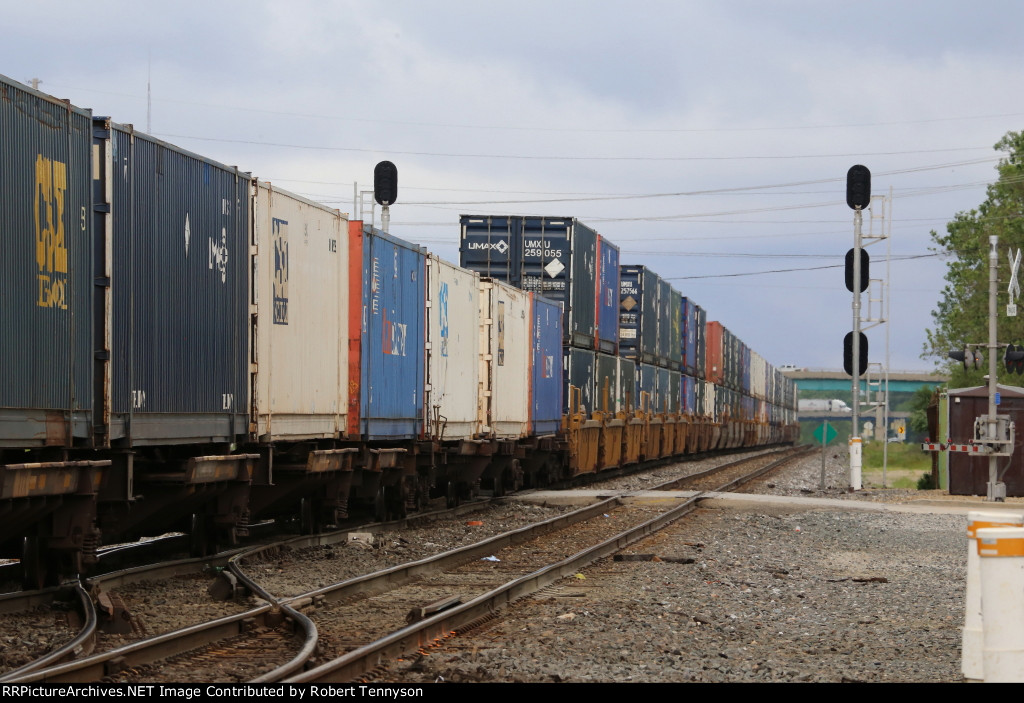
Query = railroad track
x=373 y=659
x=364 y=620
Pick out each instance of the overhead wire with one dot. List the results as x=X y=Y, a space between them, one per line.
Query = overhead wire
x=575 y=129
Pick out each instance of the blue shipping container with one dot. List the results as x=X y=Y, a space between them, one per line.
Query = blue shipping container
x=689 y=335
x=489 y=246
x=639 y=309
x=579 y=372
x=546 y=366
x=608 y=297
x=391 y=356
x=46 y=350
x=180 y=285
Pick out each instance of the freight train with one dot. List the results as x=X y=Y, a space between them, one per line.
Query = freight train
x=185 y=347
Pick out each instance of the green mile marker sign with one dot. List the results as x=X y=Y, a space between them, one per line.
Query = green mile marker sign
x=825 y=433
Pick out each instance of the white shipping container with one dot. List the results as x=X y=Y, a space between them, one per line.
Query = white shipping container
x=709 y=409
x=453 y=338
x=300 y=301
x=504 y=398
x=758 y=375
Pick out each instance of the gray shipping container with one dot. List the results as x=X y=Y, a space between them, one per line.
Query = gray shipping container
x=45 y=206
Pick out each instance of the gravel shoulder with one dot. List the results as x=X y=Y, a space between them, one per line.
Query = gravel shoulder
x=751 y=594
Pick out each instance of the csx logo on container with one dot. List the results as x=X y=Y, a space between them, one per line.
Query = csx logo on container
x=51 y=249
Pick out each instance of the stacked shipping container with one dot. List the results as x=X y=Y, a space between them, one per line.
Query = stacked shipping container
x=675 y=354
x=567 y=262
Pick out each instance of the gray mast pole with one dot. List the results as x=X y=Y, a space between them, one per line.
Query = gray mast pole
x=996 y=491
x=855 y=440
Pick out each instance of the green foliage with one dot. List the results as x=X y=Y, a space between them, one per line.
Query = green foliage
x=961 y=315
x=925 y=482
x=900 y=456
x=919 y=403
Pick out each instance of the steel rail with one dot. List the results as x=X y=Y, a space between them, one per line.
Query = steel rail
x=178 y=641
x=83 y=642
x=371 y=657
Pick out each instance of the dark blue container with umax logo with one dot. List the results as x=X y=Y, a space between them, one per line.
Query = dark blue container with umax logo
x=555 y=257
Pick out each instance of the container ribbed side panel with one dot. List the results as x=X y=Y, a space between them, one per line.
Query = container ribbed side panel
x=392 y=337
x=180 y=290
x=45 y=276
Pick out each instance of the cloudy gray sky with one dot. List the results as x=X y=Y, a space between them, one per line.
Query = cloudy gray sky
x=706 y=139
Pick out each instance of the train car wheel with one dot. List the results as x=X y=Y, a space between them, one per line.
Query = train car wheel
x=201 y=543
x=452 y=494
x=309 y=517
x=33 y=565
x=396 y=502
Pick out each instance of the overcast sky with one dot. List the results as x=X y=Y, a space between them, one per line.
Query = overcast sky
x=742 y=118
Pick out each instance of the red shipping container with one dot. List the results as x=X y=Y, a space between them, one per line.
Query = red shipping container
x=714 y=356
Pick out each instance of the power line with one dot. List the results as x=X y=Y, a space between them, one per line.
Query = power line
x=527 y=128
x=760 y=273
x=533 y=157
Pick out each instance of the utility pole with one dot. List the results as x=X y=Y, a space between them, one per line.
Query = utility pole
x=994 y=435
x=996 y=489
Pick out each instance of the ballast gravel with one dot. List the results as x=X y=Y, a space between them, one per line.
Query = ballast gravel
x=749 y=593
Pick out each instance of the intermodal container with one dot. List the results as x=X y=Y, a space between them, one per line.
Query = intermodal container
x=301 y=322
x=555 y=257
x=647 y=386
x=690 y=317
x=675 y=400
x=699 y=370
x=706 y=399
x=664 y=392
x=546 y=390
x=607 y=297
x=453 y=351
x=491 y=247
x=639 y=321
x=505 y=316
x=579 y=373
x=665 y=325
x=674 y=353
x=627 y=385
x=46 y=343
x=181 y=289
x=716 y=349
x=389 y=339
x=607 y=396
x=688 y=394
x=759 y=372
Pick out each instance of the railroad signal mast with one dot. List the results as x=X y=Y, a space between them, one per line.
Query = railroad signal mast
x=855 y=344
x=858 y=280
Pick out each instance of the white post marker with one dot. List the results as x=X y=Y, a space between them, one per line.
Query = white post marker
x=1014 y=288
x=973 y=635
x=1001 y=552
x=855 y=463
